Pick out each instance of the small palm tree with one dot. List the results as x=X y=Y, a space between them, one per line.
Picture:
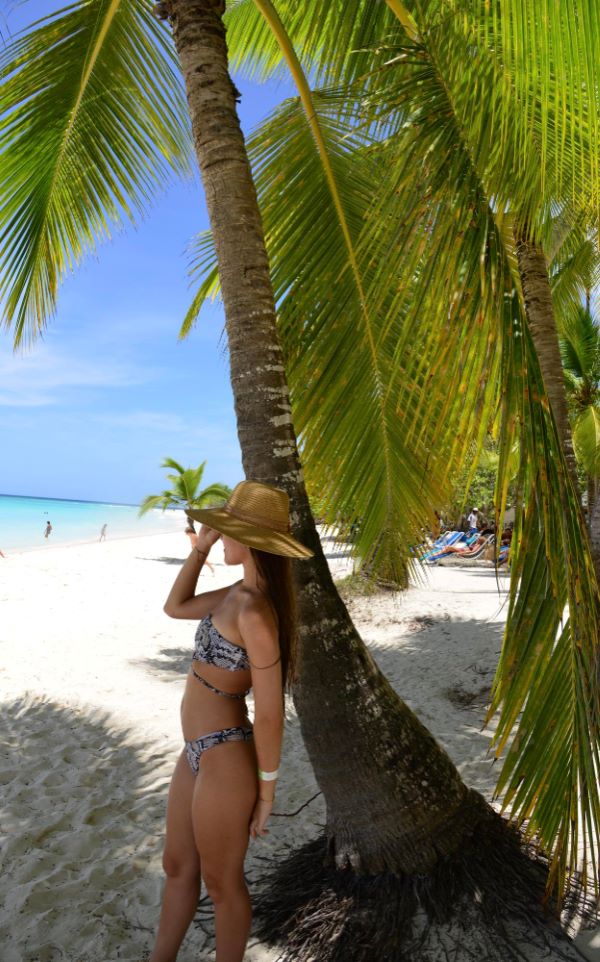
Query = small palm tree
x=580 y=349
x=185 y=491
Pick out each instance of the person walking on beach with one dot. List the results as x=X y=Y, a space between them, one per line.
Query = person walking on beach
x=103 y=533
x=223 y=786
x=48 y=530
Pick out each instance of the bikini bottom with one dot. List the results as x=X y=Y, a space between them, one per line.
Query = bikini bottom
x=196 y=748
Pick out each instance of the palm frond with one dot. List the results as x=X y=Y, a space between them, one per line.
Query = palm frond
x=436 y=201
x=203 y=264
x=172 y=463
x=574 y=272
x=185 y=492
x=546 y=688
x=323 y=36
x=338 y=363
x=163 y=501
x=580 y=348
x=213 y=495
x=93 y=122
x=586 y=439
x=553 y=73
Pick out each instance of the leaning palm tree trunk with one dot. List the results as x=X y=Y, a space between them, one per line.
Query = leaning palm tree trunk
x=591 y=500
x=396 y=806
x=594 y=527
x=537 y=295
x=418 y=790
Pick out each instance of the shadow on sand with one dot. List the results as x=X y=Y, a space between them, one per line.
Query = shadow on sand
x=83 y=819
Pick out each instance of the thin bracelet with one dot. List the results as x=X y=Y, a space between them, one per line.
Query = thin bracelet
x=269 y=800
x=268 y=776
x=200 y=551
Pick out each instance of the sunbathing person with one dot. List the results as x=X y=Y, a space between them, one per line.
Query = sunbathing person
x=473 y=548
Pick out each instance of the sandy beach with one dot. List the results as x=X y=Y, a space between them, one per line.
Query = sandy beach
x=91 y=677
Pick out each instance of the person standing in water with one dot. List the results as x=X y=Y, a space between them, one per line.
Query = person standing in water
x=48 y=530
x=103 y=533
x=223 y=787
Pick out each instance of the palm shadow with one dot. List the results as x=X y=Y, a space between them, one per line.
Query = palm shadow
x=164 y=560
x=82 y=814
x=448 y=685
x=171 y=663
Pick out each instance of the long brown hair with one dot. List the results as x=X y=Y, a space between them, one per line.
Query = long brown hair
x=277 y=573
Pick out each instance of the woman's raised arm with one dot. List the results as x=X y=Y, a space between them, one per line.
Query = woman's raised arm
x=182 y=602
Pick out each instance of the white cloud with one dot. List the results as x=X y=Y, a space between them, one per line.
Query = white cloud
x=39 y=377
x=146 y=421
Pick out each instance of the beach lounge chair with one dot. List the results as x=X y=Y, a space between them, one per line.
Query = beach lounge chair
x=458 y=537
x=457 y=560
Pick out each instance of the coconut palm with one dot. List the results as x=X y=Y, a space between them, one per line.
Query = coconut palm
x=401 y=805
x=185 y=492
x=580 y=348
x=472 y=320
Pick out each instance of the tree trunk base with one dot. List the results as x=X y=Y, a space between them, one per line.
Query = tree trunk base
x=483 y=904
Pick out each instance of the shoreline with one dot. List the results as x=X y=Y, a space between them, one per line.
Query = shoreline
x=14 y=552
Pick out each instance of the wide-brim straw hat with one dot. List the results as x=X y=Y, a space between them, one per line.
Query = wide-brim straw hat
x=257 y=515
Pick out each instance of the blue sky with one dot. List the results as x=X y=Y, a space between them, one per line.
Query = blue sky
x=91 y=410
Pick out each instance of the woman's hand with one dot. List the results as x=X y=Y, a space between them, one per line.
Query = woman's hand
x=205 y=538
x=259 y=817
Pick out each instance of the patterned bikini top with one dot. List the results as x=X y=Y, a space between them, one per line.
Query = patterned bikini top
x=212 y=649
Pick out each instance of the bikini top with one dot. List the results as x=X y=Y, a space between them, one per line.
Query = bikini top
x=212 y=649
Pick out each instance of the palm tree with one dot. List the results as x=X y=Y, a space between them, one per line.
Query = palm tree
x=184 y=492
x=450 y=310
x=580 y=348
x=401 y=805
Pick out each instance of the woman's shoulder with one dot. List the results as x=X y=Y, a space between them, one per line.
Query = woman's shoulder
x=252 y=601
x=255 y=615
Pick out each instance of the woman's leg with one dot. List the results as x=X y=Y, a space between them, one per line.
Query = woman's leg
x=181 y=864
x=224 y=798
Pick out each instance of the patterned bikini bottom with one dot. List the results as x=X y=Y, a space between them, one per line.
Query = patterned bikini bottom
x=196 y=748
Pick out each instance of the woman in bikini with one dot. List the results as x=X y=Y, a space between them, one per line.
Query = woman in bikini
x=224 y=782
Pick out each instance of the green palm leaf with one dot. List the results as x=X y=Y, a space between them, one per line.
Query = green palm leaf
x=438 y=152
x=553 y=69
x=547 y=68
x=574 y=271
x=322 y=35
x=351 y=436
x=546 y=686
x=185 y=491
x=586 y=438
x=94 y=88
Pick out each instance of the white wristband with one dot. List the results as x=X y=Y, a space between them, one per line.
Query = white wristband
x=267 y=776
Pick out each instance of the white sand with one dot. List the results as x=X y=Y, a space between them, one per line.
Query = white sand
x=91 y=675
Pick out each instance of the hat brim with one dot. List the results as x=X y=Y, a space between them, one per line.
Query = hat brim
x=253 y=536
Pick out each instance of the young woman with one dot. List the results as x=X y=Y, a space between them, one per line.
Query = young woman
x=224 y=782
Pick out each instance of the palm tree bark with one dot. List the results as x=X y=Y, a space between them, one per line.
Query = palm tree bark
x=591 y=500
x=539 y=309
x=394 y=798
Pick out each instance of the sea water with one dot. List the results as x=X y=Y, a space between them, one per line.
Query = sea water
x=23 y=521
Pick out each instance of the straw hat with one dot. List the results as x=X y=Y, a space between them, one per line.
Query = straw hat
x=257 y=515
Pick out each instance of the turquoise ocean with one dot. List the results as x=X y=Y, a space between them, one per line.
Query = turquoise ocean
x=23 y=522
